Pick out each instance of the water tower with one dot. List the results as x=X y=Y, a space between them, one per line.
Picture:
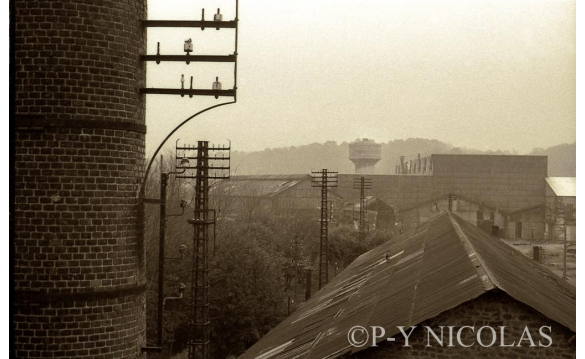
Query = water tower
x=365 y=153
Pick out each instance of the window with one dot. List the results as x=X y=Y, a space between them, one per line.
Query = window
x=518 y=229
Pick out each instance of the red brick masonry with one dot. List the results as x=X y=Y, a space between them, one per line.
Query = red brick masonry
x=490 y=309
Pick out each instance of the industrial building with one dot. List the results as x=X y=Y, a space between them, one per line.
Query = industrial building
x=445 y=272
x=560 y=207
x=507 y=192
x=283 y=196
x=507 y=196
x=379 y=215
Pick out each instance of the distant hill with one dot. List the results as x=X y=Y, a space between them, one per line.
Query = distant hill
x=334 y=156
x=562 y=159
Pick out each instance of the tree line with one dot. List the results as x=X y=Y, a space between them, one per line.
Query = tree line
x=333 y=155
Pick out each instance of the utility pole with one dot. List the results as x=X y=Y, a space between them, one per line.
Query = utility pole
x=200 y=328
x=163 y=216
x=324 y=179
x=561 y=229
x=362 y=183
x=308 y=283
x=214 y=90
x=451 y=197
x=164 y=179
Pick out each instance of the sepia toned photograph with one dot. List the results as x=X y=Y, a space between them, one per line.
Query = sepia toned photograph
x=226 y=179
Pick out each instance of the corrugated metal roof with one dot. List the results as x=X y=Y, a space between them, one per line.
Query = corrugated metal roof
x=372 y=204
x=258 y=186
x=563 y=186
x=524 y=279
x=416 y=276
x=269 y=177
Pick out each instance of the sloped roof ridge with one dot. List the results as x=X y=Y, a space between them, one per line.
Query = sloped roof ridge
x=487 y=278
x=563 y=186
x=269 y=177
x=532 y=283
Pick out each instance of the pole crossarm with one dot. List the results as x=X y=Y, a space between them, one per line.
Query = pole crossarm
x=188 y=92
x=330 y=179
x=190 y=58
x=218 y=163
x=233 y=24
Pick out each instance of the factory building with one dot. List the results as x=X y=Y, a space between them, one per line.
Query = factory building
x=379 y=215
x=507 y=192
x=282 y=196
x=503 y=195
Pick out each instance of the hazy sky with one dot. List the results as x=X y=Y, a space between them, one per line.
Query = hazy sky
x=478 y=74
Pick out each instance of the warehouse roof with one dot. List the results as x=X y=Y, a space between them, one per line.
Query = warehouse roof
x=372 y=204
x=258 y=186
x=563 y=186
x=420 y=274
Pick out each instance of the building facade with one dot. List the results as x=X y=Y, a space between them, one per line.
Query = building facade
x=493 y=310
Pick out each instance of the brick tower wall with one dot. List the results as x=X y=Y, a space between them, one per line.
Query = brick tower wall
x=78 y=264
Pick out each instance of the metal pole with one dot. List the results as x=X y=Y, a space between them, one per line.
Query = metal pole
x=561 y=229
x=323 y=245
x=362 y=233
x=362 y=183
x=199 y=344
x=564 y=252
x=296 y=261
x=323 y=180
x=161 y=250
x=200 y=326
x=308 y=288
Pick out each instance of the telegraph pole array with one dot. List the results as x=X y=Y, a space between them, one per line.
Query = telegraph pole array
x=206 y=167
x=362 y=183
x=191 y=55
x=324 y=179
